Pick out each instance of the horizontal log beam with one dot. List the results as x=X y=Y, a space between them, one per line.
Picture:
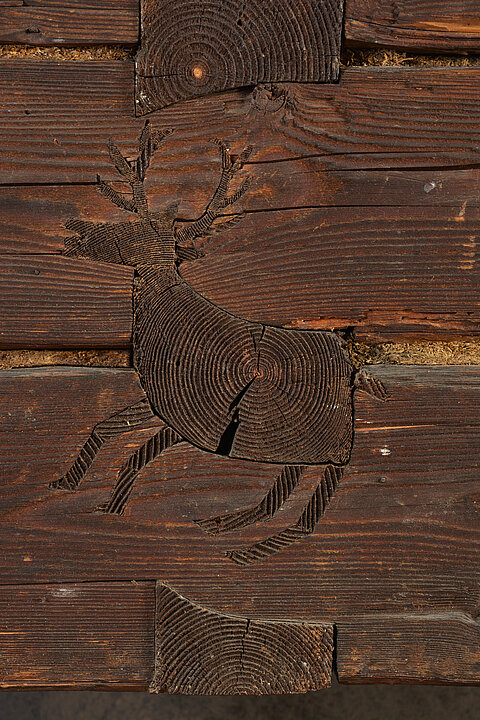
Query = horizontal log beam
x=77 y=635
x=388 y=272
x=433 y=25
x=34 y=216
x=436 y=649
x=70 y=22
x=57 y=121
x=54 y=302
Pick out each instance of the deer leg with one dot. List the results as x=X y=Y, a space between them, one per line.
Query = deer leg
x=282 y=488
x=121 y=422
x=304 y=526
x=163 y=439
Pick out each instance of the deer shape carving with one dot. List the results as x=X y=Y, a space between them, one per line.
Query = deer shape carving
x=224 y=384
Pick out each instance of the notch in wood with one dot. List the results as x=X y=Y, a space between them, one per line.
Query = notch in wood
x=203 y=652
x=193 y=49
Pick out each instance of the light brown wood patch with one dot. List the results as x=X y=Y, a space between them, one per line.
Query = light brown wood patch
x=203 y=652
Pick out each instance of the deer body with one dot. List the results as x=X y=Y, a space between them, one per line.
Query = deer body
x=222 y=383
x=240 y=388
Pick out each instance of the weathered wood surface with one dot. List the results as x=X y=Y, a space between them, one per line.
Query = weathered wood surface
x=34 y=216
x=55 y=302
x=410 y=648
x=56 y=120
x=69 y=22
x=360 y=158
x=432 y=25
x=388 y=545
x=413 y=479
x=83 y=635
x=388 y=272
x=203 y=652
x=193 y=49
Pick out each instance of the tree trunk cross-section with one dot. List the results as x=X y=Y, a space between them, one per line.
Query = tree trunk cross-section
x=190 y=49
x=201 y=652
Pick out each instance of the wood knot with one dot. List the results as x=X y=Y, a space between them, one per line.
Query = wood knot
x=268 y=98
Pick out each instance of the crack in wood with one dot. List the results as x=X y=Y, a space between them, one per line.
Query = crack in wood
x=226 y=385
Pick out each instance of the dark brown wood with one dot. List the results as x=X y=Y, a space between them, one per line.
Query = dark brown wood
x=387 y=272
x=203 y=652
x=34 y=216
x=443 y=648
x=390 y=273
x=389 y=541
x=70 y=22
x=193 y=49
x=388 y=516
x=407 y=296
x=61 y=116
x=431 y=25
x=85 y=635
x=54 y=302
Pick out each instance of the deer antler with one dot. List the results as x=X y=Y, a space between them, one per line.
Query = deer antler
x=220 y=199
x=133 y=171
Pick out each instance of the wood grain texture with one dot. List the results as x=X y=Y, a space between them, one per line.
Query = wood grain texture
x=56 y=120
x=81 y=635
x=414 y=648
x=34 y=216
x=389 y=542
x=70 y=22
x=192 y=49
x=203 y=652
x=429 y=25
x=387 y=272
x=55 y=302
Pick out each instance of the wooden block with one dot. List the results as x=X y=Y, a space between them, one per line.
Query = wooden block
x=445 y=25
x=414 y=648
x=76 y=635
x=203 y=652
x=54 y=302
x=404 y=512
x=188 y=49
x=70 y=22
x=57 y=124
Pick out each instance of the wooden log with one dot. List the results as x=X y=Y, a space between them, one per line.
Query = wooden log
x=442 y=649
x=204 y=652
x=55 y=302
x=442 y=26
x=70 y=22
x=389 y=273
x=34 y=216
x=78 y=635
x=189 y=49
x=57 y=121
x=389 y=541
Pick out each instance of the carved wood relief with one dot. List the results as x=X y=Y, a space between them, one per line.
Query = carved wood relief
x=232 y=387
